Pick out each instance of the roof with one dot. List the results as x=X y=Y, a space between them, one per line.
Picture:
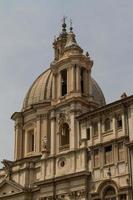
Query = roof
x=114 y=104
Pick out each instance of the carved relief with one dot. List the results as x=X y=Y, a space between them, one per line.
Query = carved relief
x=44 y=116
x=81 y=194
x=44 y=147
x=44 y=143
x=78 y=194
x=46 y=198
x=63 y=118
x=19 y=125
x=60 y=197
x=61 y=162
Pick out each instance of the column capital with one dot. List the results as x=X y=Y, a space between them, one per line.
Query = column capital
x=52 y=115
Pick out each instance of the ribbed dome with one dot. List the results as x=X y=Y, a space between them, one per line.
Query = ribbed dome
x=41 y=91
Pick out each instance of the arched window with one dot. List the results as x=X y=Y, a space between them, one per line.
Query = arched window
x=109 y=194
x=64 y=135
x=107 y=124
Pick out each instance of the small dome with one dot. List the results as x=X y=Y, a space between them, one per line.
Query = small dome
x=41 y=91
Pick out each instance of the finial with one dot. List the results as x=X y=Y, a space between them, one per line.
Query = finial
x=64 y=24
x=124 y=95
x=71 y=27
x=87 y=54
x=64 y=19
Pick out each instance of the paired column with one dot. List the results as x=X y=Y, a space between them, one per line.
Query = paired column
x=78 y=79
x=59 y=85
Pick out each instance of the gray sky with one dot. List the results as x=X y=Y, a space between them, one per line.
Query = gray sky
x=104 y=28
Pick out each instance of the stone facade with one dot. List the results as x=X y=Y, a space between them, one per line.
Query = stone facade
x=70 y=145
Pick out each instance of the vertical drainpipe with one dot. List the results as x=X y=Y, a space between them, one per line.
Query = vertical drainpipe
x=54 y=182
x=130 y=163
x=131 y=171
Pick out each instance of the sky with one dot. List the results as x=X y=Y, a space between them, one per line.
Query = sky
x=27 y=28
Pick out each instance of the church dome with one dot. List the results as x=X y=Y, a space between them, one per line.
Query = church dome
x=41 y=91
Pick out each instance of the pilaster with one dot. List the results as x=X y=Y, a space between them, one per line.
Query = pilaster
x=18 y=151
x=38 y=135
x=123 y=123
x=86 y=82
x=44 y=129
x=54 y=87
x=114 y=125
x=58 y=85
x=53 y=134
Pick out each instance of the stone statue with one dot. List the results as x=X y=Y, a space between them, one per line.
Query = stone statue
x=44 y=143
x=44 y=147
x=8 y=168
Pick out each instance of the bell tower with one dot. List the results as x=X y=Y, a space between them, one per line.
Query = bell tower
x=71 y=69
x=71 y=91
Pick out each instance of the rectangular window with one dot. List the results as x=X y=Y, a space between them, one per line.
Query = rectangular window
x=108 y=154
x=32 y=142
x=96 y=158
x=121 y=154
x=88 y=133
x=123 y=197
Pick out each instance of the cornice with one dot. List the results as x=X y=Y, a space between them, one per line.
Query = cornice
x=70 y=59
x=16 y=115
x=111 y=141
x=76 y=100
x=109 y=107
x=64 y=178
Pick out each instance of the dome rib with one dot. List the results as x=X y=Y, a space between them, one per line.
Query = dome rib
x=48 y=79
